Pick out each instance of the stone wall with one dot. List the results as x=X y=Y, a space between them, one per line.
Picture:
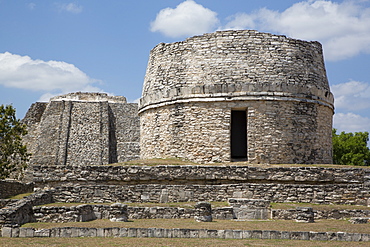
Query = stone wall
x=84 y=184
x=337 y=214
x=20 y=212
x=5 y=202
x=73 y=232
x=191 y=88
x=234 y=64
x=32 y=120
x=52 y=176
x=124 y=132
x=321 y=194
x=83 y=128
x=200 y=132
x=10 y=188
x=80 y=213
x=74 y=213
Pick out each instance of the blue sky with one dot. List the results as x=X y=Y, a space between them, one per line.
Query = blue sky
x=51 y=47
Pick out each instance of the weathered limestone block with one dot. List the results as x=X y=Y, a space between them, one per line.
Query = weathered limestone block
x=359 y=220
x=26 y=232
x=224 y=213
x=305 y=214
x=248 y=209
x=45 y=233
x=203 y=211
x=86 y=212
x=118 y=212
x=6 y=232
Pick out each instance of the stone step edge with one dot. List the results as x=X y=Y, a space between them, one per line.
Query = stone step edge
x=71 y=232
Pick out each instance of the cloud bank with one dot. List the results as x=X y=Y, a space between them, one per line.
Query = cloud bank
x=343 y=28
x=352 y=95
x=187 y=19
x=51 y=77
x=350 y=122
x=71 y=8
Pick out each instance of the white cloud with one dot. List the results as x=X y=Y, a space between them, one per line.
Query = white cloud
x=51 y=77
x=352 y=95
x=46 y=97
x=240 y=21
x=343 y=28
x=135 y=100
x=71 y=7
x=31 y=6
x=187 y=19
x=350 y=122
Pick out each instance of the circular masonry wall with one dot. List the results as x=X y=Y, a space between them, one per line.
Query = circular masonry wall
x=237 y=95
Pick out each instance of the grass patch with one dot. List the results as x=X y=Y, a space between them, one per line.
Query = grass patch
x=20 y=196
x=278 y=225
x=173 y=242
x=322 y=207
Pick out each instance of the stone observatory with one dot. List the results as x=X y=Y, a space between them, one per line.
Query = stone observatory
x=82 y=129
x=237 y=96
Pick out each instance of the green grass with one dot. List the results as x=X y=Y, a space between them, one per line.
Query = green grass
x=20 y=196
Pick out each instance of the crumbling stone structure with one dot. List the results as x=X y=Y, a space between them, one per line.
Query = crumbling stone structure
x=305 y=214
x=248 y=209
x=203 y=211
x=83 y=129
x=73 y=232
x=172 y=183
x=237 y=95
x=225 y=96
x=219 y=97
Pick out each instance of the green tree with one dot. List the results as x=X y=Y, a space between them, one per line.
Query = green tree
x=351 y=149
x=13 y=154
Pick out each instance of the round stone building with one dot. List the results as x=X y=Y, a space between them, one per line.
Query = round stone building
x=237 y=95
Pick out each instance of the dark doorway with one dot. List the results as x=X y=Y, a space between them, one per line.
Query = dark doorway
x=238 y=135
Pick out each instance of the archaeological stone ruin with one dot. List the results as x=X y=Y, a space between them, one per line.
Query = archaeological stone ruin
x=236 y=103
x=84 y=129
x=220 y=97
x=237 y=95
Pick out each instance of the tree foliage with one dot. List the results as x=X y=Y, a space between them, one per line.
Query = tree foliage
x=13 y=154
x=351 y=149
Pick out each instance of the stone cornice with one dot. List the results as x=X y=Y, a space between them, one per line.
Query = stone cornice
x=237 y=96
